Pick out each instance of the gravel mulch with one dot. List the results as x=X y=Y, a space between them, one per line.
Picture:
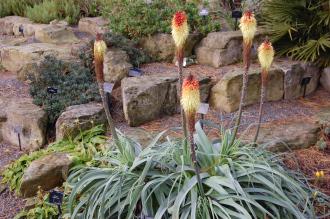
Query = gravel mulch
x=11 y=87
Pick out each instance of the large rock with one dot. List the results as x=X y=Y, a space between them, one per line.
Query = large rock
x=225 y=95
x=294 y=73
x=20 y=115
x=224 y=48
x=47 y=172
x=93 y=25
x=7 y=24
x=325 y=79
x=116 y=65
x=161 y=46
x=148 y=97
x=287 y=135
x=30 y=29
x=21 y=58
x=58 y=34
x=79 y=118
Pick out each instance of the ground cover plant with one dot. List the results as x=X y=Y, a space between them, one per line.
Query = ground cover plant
x=74 y=82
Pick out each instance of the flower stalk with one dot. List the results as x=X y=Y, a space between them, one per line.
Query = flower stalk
x=266 y=57
x=180 y=32
x=248 y=27
x=99 y=52
x=190 y=101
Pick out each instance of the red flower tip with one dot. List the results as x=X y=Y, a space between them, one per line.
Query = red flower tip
x=179 y=18
x=190 y=83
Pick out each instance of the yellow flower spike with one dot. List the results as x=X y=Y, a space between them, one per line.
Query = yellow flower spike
x=100 y=49
x=190 y=99
x=266 y=55
x=248 y=26
x=321 y=173
x=317 y=174
x=180 y=29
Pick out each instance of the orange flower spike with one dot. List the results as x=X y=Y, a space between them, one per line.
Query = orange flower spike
x=266 y=55
x=180 y=29
x=190 y=99
x=248 y=26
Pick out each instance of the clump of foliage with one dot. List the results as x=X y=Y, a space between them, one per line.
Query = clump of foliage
x=42 y=209
x=75 y=84
x=160 y=182
x=83 y=148
x=137 y=56
x=300 y=28
x=16 y=7
x=136 y=19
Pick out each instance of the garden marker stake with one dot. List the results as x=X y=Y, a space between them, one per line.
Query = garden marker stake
x=266 y=57
x=180 y=32
x=248 y=26
x=99 y=51
x=190 y=101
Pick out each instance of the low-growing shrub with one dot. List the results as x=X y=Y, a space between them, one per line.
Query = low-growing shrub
x=160 y=182
x=74 y=82
x=136 y=19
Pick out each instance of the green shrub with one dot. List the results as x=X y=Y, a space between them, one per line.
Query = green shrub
x=300 y=28
x=75 y=84
x=136 y=19
x=43 y=12
x=82 y=148
x=16 y=7
x=160 y=182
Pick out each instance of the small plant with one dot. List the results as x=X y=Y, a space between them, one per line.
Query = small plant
x=42 y=209
x=44 y=12
x=75 y=85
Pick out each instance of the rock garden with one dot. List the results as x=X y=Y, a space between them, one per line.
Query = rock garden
x=164 y=109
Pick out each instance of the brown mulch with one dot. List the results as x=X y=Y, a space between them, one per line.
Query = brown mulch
x=11 y=87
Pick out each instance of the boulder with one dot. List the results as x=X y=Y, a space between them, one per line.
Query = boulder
x=93 y=25
x=23 y=117
x=288 y=135
x=18 y=28
x=148 y=97
x=225 y=95
x=30 y=29
x=224 y=48
x=21 y=58
x=116 y=65
x=79 y=118
x=7 y=24
x=58 y=34
x=294 y=73
x=325 y=79
x=161 y=46
x=47 y=172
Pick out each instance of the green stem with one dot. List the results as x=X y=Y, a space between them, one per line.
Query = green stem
x=246 y=60
x=191 y=125
x=109 y=117
x=262 y=100
x=180 y=72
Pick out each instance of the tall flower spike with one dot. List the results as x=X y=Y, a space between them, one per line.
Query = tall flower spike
x=248 y=26
x=100 y=49
x=180 y=29
x=266 y=55
x=190 y=99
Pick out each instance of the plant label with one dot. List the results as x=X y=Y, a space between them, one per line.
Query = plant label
x=236 y=14
x=56 y=197
x=203 y=108
x=52 y=90
x=134 y=72
x=108 y=87
x=18 y=129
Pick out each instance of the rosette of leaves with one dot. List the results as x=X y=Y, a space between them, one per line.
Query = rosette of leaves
x=300 y=28
x=160 y=182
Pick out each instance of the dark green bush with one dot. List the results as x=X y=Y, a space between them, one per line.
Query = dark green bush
x=135 y=19
x=16 y=7
x=300 y=28
x=75 y=84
